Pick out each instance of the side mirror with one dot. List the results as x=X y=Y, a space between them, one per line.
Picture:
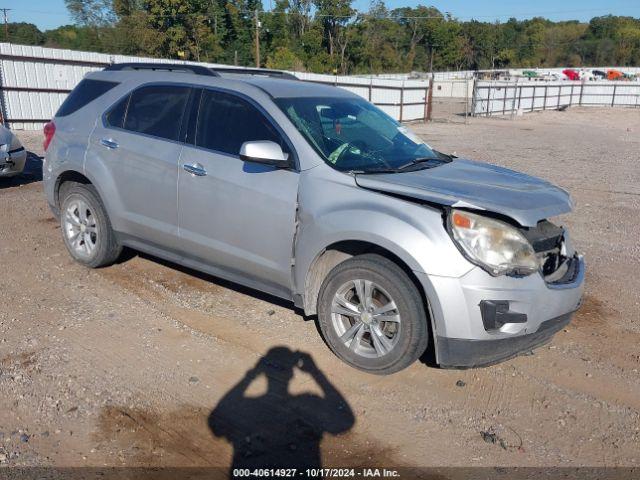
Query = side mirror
x=265 y=152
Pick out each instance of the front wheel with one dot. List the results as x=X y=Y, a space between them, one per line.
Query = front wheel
x=372 y=315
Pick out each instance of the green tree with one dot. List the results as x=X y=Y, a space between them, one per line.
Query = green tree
x=23 y=33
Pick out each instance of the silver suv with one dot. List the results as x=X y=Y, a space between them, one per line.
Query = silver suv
x=310 y=193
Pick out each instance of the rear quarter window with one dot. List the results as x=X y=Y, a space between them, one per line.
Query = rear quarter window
x=84 y=93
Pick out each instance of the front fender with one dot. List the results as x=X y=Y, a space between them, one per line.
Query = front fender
x=333 y=211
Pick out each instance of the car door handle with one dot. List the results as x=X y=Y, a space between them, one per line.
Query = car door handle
x=195 y=169
x=111 y=144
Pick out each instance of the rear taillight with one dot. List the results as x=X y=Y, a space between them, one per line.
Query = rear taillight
x=49 y=132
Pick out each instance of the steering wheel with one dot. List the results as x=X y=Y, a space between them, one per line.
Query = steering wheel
x=344 y=148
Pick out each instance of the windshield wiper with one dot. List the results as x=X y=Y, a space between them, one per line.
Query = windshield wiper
x=374 y=170
x=418 y=161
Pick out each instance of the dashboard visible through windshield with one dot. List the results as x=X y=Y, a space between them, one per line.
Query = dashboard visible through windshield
x=354 y=135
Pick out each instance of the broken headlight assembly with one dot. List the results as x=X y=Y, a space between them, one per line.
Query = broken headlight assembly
x=495 y=246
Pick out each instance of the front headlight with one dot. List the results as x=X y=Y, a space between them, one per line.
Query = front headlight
x=493 y=245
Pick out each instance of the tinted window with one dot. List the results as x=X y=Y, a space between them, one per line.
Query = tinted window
x=157 y=110
x=86 y=91
x=225 y=122
x=115 y=117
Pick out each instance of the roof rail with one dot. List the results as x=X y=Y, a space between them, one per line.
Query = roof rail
x=256 y=71
x=164 y=67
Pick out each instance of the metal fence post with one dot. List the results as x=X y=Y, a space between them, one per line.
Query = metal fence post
x=519 y=96
x=559 y=96
x=466 y=101
x=401 y=100
x=613 y=98
x=488 y=99
x=544 y=102
x=426 y=104
x=581 y=92
x=513 y=99
x=504 y=100
x=571 y=96
x=533 y=98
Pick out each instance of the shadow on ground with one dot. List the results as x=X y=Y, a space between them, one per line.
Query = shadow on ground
x=266 y=425
x=32 y=173
x=278 y=429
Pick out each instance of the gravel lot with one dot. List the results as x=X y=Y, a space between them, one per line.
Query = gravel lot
x=145 y=363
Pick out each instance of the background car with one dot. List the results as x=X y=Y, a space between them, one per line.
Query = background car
x=13 y=156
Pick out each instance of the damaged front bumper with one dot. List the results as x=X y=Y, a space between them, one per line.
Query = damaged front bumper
x=12 y=162
x=480 y=320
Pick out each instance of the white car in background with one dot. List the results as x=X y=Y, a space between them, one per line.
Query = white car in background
x=13 y=156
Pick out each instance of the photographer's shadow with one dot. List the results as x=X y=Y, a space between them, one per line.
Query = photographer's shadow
x=277 y=429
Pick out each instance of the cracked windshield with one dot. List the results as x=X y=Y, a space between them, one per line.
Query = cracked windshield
x=353 y=135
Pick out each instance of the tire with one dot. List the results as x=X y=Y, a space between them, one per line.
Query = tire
x=94 y=244
x=404 y=327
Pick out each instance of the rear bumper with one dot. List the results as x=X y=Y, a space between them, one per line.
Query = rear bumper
x=458 y=352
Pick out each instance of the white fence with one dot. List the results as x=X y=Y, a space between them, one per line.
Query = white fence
x=507 y=97
x=452 y=88
x=34 y=81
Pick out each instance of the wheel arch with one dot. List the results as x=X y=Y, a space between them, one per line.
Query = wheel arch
x=68 y=176
x=339 y=251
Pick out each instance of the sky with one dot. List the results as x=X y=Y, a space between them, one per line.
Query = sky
x=47 y=14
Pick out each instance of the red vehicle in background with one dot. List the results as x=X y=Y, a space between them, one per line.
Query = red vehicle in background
x=571 y=74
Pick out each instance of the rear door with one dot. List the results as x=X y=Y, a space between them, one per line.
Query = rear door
x=138 y=144
x=235 y=215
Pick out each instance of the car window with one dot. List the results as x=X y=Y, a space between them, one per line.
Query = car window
x=115 y=116
x=157 y=110
x=225 y=122
x=85 y=92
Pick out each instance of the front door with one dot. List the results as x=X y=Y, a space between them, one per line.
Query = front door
x=235 y=215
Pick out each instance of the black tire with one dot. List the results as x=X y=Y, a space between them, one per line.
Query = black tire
x=413 y=331
x=107 y=249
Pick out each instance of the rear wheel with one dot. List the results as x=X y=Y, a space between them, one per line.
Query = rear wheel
x=372 y=315
x=86 y=228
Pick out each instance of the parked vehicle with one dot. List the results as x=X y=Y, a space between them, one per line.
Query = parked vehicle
x=571 y=74
x=312 y=194
x=614 y=75
x=13 y=156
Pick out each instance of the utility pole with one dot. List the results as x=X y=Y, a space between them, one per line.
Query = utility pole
x=6 y=23
x=257 y=34
x=431 y=62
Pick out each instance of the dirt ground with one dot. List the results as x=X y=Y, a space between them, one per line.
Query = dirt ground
x=146 y=363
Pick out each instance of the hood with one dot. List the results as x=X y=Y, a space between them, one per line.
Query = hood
x=478 y=186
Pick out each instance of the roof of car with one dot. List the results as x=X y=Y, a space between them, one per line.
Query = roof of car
x=274 y=83
x=281 y=88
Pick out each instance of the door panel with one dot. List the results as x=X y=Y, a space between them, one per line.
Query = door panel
x=141 y=154
x=144 y=175
x=239 y=216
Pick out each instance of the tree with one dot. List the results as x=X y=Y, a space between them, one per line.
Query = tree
x=91 y=12
x=328 y=36
x=334 y=15
x=23 y=33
